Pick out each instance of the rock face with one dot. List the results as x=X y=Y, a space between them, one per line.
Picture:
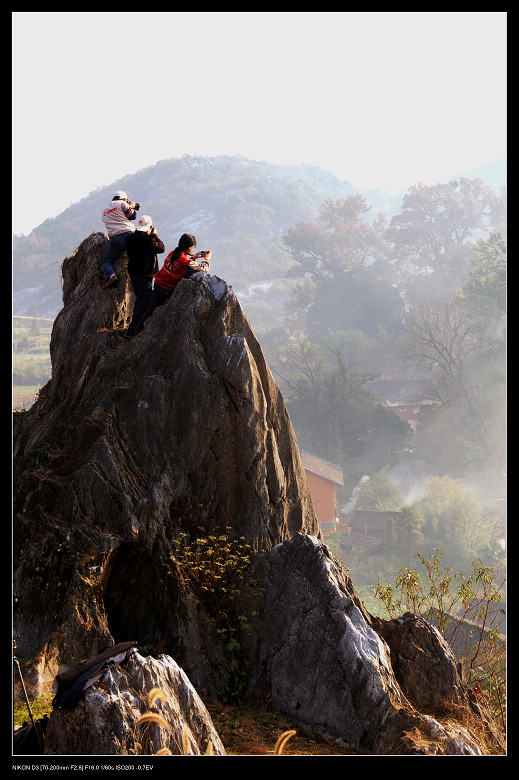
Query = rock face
x=183 y=430
x=323 y=663
x=106 y=719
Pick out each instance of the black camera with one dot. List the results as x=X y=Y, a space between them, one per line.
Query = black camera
x=137 y=206
x=203 y=254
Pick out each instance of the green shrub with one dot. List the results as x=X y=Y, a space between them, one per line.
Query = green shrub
x=216 y=571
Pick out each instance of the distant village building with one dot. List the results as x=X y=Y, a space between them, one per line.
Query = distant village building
x=382 y=525
x=371 y=536
x=405 y=397
x=323 y=479
x=366 y=536
x=357 y=549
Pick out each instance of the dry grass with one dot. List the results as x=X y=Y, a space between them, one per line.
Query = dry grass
x=261 y=731
x=244 y=731
x=156 y=694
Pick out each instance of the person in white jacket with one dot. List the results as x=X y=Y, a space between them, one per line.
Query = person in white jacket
x=117 y=216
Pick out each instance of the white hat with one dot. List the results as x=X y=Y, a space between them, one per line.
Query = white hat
x=144 y=223
x=121 y=195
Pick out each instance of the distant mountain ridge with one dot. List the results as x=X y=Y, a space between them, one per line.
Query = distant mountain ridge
x=238 y=208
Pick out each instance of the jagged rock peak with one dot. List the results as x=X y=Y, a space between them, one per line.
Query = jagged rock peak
x=181 y=429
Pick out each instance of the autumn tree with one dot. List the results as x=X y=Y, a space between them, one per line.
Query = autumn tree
x=338 y=258
x=431 y=234
x=338 y=240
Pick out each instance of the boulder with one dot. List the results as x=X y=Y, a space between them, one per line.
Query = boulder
x=106 y=719
x=423 y=662
x=321 y=661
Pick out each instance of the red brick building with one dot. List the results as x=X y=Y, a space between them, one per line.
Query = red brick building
x=323 y=479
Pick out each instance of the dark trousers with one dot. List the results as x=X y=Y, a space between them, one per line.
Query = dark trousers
x=116 y=246
x=143 y=288
x=158 y=298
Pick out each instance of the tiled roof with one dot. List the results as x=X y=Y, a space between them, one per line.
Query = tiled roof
x=322 y=468
x=404 y=392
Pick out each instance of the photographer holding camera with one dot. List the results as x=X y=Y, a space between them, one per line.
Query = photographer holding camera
x=117 y=216
x=178 y=264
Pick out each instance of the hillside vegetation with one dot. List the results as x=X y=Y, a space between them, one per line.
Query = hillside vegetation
x=236 y=207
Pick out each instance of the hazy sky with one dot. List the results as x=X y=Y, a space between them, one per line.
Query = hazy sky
x=382 y=99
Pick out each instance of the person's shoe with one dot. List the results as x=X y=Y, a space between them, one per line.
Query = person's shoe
x=112 y=280
x=128 y=336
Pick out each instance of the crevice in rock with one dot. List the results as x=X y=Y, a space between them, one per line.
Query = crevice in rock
x=136 y=580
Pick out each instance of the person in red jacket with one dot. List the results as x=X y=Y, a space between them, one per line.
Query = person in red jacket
x=178 y=264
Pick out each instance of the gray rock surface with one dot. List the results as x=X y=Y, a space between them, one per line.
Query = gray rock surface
x=106 y=720
x=323 y=663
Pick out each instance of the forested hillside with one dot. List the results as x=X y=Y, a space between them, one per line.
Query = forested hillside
x=236 y=207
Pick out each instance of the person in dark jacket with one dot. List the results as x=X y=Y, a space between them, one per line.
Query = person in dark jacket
x=142 y=248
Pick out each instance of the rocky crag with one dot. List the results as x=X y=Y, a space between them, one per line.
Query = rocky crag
x=182 y=430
